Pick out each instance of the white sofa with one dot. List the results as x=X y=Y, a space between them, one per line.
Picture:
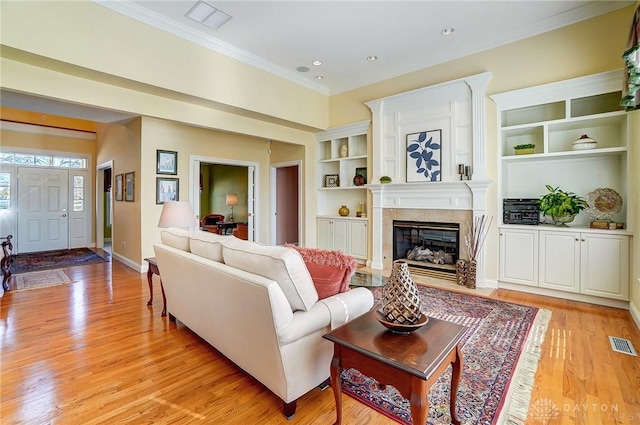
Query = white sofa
x=257 y=305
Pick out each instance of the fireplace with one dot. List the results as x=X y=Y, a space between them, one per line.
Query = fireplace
x=429 y=248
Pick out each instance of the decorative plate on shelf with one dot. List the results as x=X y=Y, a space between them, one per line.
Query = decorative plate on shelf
x=604 y=203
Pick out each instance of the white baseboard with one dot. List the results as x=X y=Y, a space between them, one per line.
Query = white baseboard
x=141 y=268
x=635 y=313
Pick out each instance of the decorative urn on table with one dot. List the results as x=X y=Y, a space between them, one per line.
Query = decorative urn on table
x=400 y=311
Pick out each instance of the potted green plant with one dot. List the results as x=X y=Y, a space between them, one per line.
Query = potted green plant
x=561 y=206
x=524 y=149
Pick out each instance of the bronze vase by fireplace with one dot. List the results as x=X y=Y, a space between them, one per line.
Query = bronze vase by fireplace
x=461 y=272
x=471 y=274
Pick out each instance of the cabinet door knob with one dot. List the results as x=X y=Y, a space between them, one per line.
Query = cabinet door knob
x=577 y=239
x=583 y=240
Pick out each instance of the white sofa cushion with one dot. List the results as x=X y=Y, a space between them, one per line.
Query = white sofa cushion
x=176 y=238
x=208 y=245
x=281 y=264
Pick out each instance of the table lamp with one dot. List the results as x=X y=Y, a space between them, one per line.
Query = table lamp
x=232 y=201
x=177 y=214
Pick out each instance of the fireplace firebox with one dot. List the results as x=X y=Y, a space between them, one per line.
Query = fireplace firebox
x=429 y=248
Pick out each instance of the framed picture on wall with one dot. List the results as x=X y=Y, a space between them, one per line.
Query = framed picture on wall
x=167 y=189
x=119 y=187
x=167 y=162
x=129 y=186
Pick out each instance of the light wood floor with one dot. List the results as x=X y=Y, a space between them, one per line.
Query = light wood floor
x=92 y=352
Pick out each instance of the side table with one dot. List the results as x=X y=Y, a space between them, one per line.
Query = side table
x=411 y=363
x=153 y=269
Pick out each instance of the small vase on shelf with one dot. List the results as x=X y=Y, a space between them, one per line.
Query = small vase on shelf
x=343 y=211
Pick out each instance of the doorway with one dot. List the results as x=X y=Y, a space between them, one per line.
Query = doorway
x=212 y=179
x=285 y=201
x=104 y=205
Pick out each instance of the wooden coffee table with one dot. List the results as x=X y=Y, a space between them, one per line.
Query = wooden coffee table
x=411 y=363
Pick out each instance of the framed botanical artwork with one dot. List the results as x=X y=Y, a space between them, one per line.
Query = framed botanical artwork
x=119 y=187
x=167 y=162
x=331 y=180
x=423 y=156
x=167 y=189
x=129 y=186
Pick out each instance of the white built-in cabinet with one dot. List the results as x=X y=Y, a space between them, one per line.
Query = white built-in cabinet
x=519 y=256
x=575 y=260
x=340 y=152
x=348 y=235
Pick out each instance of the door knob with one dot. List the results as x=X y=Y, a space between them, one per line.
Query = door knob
x=64 y=215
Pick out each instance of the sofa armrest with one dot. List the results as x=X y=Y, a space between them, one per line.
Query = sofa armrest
x=327 y=314
x=346 y=306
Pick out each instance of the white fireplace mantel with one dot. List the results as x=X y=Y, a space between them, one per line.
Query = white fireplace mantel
x=457 y=108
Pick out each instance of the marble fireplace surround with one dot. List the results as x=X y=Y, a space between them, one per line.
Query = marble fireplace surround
x=457 y=107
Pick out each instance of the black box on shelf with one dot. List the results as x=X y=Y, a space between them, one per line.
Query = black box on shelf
x=520 y=211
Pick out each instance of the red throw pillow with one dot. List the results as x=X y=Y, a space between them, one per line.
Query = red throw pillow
x=330 y=271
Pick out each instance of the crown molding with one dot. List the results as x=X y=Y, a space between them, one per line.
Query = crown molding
x=134 y=11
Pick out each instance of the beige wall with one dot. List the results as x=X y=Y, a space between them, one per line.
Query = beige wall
x=92 y=41
x=581 y=49
x=188 y=140
x=121 y=144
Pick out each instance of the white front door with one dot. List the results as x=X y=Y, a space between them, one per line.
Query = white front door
x=43 y=213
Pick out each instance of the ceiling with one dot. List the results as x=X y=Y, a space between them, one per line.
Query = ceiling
x=281 y=36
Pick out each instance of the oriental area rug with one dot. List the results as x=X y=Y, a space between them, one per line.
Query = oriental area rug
x=57 y=259
x=500 y=350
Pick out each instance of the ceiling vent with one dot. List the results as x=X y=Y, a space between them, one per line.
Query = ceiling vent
x=208 y=15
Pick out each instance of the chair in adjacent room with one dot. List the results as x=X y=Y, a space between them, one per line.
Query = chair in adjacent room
x=210 y=222
x=241 y=231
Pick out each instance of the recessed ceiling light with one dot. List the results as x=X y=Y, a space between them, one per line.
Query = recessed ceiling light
x=317 y=63
x=208 y=15
x=372 y=58
x=302 y=69
x=447 y=31
x=318 y=77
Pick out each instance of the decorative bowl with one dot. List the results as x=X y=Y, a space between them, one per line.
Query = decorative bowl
x=584 y=142
x=398 y=328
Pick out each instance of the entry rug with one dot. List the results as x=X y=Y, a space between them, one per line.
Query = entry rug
x=34 y=280
x=501 y=351
x=57 y=259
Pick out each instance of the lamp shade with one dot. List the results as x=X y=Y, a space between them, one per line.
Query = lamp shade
x=232 y=199
x=177 y=214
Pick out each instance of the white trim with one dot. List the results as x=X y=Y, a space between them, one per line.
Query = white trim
x=99 y=222
x=49 y=131
x=635 y=312
x=147 y=16
x=609 y=302
x=194 y=185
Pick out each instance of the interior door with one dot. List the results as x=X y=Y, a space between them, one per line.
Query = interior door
x=287 y=225
x=43 y=195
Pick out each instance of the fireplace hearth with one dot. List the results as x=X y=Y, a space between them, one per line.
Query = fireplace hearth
x=429 y=248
